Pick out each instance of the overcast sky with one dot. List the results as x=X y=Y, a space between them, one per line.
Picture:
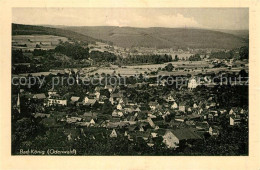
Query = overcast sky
x=210 y=18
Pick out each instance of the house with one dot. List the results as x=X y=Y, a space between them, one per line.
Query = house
x=87 y=98
x=170 y=98
x=126 y=134
x=117 y=113
x=131 y=118
x=200 y=111
x=132 y=86
x=222 y=111
x=213 y=131
x=174 y=105
x=82 y=124
x=193 y=116
x=153 y=105
x=151 y=123
x=150 y=143
x=56 y=100
x=91 y=102
x=52 y=91
x=182 y=106
x=109 y=88
x=233 y=120
x=192 y=84
x=202 y=126
x=137 y=109
x=73 y=119
x=111 y=99
x=50 y=122
x=72 y=134
x=92 y=122
x=88 y=116
x=119 y=107
x=141 y=134
x=113 y=134
x=74 y=99
x=121 y=100
x=40 y=96
x=233 y=111
x=98 y=88
x=41 y=115
x=180 y=118
x=173 y=138
x=210 y=117
x=102 y=99
x=129 y=109
x=97 y=94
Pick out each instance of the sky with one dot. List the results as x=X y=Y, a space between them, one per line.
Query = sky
x=208 y=18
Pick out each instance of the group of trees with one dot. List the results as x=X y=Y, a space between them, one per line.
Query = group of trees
x=103 y=56
x=18 y=57
x=74 y=50
x=243 y=54
x=169 y=67
x=222 y=55
x=195 y=57
x=149 y=59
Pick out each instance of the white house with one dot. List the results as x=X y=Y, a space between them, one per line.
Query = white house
x=119 y=107
x=97 y=94
x=52 y=102
x=170 y=140
x=113 y=134
x=92 y=122
x=111 y=100
x=170 y=99
x=234 y=121
x=117 y=113
x=213 y=131
x=192 y=83
x=174 y=105
x=52 y=92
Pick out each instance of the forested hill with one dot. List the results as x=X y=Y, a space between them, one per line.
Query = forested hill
x=19 y=29
x=163 y=37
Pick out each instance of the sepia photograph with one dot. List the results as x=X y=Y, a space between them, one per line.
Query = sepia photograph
x=130 y=81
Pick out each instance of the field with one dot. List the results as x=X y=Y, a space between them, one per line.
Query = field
x=29 y=42
x=181 y=68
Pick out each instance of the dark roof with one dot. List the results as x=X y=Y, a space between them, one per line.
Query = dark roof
x=185 y=134
x=50 y=122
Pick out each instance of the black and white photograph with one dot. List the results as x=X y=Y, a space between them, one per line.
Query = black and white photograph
x=130 y=81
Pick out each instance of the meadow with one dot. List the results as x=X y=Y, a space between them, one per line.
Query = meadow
x=29 y=42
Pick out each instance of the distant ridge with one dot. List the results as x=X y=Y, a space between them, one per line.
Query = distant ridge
x=19 y=29
x=160 y=37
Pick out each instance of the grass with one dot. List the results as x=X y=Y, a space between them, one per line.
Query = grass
x=48 y=41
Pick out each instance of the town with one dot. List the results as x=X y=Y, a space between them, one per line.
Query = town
x=101 y=99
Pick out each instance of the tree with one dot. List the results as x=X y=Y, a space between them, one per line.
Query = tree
x=107 y=107
x=169 y=67
x=176 y=58
x=243 y=53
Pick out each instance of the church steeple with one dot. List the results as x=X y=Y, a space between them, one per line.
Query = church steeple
x=18 y=103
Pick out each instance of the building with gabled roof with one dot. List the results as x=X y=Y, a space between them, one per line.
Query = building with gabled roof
x=172 y=138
